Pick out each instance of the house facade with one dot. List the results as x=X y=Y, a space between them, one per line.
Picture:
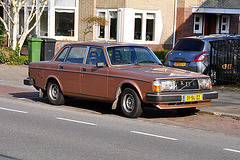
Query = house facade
x=156 y=23
x=204 y=17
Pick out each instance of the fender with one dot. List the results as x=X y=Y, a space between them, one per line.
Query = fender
x=119 y=91
x=52 y=77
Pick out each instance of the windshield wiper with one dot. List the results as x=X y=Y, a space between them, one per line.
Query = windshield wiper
x=122 y=62
x=147 y=62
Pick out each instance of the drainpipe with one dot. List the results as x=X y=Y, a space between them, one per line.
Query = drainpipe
x=175 y=23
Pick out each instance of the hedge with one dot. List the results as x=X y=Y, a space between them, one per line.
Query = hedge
x=161 y=54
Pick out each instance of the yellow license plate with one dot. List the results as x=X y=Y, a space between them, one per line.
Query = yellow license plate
x=196 y=97
x=179 y=63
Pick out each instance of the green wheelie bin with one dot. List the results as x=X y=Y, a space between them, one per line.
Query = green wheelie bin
x=34 y=49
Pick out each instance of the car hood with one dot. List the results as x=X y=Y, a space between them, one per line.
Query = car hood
x=160 y=72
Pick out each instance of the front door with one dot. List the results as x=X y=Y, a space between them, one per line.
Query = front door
x=94 y=80
x=210 y=24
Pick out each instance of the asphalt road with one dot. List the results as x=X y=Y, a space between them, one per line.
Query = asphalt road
x=32 y=130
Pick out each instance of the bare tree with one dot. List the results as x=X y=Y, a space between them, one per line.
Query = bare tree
x=12 y=9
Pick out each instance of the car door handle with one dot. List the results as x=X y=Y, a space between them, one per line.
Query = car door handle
x=60 y=67
x=84 y=69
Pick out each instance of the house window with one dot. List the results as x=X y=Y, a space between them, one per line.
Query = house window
x=138 y=27
x=64 y=19
x=21 y=21
x=101 y=28
x=225 y=24
x=58 y=20
x=198 y=19
x=64 y=3
x=113 y=24
x=107 y=32
x=44 y=24
x=150 y=27
x=144 y=27
x=64 y=23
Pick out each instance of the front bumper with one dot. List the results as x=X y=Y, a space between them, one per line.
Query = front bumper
x=177 y=97
x=28 y=81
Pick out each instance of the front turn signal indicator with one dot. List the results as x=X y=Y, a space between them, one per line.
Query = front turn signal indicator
x=156 y=86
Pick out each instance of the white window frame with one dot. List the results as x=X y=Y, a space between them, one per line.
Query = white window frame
x=107 y=27
x=157 y=22
x=51 y=20
x=227 y=24
x=75 y=9
x=200 y=23
x=125 y=25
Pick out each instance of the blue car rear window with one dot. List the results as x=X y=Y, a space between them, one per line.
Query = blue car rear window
x=189 y=45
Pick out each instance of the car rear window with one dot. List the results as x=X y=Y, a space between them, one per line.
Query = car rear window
x=189 y=45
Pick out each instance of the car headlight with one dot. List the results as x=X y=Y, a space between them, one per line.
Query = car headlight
x=204 y=83
x=164 y=85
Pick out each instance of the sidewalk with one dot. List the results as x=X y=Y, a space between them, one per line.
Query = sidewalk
x=227 y=104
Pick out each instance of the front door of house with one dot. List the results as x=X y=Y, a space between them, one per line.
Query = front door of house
x=210 y=24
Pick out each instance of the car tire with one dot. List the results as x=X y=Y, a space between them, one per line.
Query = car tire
x=54 y=93
x=186 y=111
x=131 y=104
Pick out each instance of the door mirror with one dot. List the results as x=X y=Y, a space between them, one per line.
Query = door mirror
x=101 y=64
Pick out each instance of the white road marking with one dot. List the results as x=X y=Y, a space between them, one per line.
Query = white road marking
x=12 y=110
x=232 y=150
x=152 y=135
x=71 y=120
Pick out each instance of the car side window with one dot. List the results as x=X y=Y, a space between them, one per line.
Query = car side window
x=76 y=54
x=95 y=55
x=62 y=55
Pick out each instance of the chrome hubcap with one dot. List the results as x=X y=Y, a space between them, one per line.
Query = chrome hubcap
x=54 y=92
x=128 y=102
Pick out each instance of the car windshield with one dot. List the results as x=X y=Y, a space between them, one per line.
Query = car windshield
x=189 y=45
x=122 y=55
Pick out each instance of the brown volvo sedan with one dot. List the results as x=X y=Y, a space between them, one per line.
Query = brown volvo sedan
x=127 y=75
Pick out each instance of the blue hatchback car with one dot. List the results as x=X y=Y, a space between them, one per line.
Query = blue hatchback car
x=193 y=53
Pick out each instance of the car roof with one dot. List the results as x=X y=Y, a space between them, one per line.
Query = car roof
x=213 y=37
x=102 y=44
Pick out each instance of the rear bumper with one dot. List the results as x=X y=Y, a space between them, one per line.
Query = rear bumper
x=28 y=81
x=177 y=97
x=199 y=67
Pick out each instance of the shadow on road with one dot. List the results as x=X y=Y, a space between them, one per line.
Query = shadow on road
x=97 y=107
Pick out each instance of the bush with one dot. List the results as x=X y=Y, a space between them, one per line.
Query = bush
x=9 y=56
x=161 y=54
x=2 y=32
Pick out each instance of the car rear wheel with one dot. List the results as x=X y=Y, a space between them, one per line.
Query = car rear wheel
x=131 y=104
x=54 y=93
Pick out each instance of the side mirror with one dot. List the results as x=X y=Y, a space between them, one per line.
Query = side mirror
x=101 y=64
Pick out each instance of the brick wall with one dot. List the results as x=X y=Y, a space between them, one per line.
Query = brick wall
x=87 y=8
x=160 y=47
x=184 y=23
x=234 y=24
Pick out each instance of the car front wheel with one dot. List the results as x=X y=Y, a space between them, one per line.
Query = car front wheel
x=131 y=104
x=54 y=94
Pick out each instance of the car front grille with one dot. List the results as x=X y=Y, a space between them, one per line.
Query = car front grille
x=187 y=84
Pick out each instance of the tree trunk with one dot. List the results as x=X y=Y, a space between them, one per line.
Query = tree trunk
x=22 y=39
x=14 y=42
